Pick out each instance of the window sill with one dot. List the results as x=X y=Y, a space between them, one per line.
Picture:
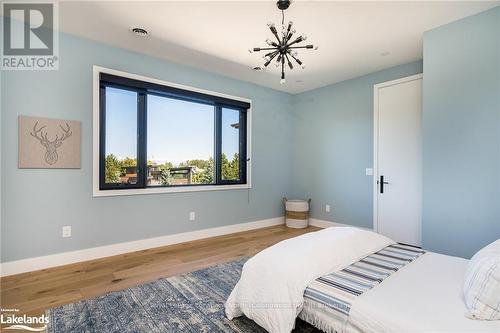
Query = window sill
x=160 y=190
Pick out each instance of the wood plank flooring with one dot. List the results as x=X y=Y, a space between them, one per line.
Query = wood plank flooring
x=34 y=292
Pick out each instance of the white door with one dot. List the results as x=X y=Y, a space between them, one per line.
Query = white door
x=398 y=159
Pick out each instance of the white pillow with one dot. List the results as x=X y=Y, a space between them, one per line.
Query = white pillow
x=482 y=284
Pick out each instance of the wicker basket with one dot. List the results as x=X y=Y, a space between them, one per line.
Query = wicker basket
x=296 y=213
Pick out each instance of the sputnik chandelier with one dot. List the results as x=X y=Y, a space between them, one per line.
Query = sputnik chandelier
x=284 y=49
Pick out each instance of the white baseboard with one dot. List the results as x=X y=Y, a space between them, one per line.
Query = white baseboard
x=326 y=224
x=65 y=258
x=323 y=223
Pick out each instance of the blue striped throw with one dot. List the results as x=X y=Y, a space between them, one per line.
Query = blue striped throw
x=328 y=299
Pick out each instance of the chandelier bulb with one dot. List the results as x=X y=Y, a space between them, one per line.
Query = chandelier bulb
x=303 y=66
x=269 y=42
x=282 y=81
x=270 y=24
x=316 y=47
x=250 y=51
x=304 y=37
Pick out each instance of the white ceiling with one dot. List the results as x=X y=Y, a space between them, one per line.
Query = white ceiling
x=353 y=37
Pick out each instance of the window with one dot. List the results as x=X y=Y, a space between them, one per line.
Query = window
x=121 y=137
x=231 y=145
x=154 y=136
x=180 y=142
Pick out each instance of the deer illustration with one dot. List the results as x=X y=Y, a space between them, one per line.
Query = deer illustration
x=51 y=156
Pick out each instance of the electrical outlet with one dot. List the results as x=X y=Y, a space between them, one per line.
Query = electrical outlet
x=369 y=171
x=327 y=208
x=192 y=216
x=66 y=231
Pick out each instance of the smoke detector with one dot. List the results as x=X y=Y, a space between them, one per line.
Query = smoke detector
x=139 y=31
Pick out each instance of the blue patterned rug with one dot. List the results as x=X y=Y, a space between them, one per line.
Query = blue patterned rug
x=191 y=302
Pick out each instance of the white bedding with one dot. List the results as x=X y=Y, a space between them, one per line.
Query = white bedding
x=270 y=290
x=424 y=296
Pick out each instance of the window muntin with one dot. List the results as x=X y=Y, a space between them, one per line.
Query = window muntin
x=181 y=136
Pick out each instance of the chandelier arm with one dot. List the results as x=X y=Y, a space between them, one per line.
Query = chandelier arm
x=278 y=38
x=274 y=54
x=297 y=40
x=290 y=53
x=271 y=58
x=282 y=68
x=275 y=33
x=269 y=54
x=258 y=49
x=302 y=47
x=294 y=58
x=289 y=32
x=285 y=40
x=288 y=60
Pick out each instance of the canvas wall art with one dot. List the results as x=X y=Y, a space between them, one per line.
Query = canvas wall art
x=49 y=143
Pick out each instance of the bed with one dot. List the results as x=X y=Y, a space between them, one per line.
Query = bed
x=383 y=287
x=403 y=301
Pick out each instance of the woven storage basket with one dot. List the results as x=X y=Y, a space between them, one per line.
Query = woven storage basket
x=296 y=213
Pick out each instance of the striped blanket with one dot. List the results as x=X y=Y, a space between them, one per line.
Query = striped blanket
x=328 y=299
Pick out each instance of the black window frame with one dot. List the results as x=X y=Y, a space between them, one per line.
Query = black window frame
x=143 y=89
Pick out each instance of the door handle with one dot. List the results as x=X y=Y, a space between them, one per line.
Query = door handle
x=382 y=183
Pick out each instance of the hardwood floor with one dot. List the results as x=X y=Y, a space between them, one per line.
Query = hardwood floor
x=34 y=292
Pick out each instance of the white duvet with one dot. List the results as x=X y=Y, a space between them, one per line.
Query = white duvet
x=270 y=290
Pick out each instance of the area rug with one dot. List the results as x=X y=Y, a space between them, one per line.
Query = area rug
x=192 y=302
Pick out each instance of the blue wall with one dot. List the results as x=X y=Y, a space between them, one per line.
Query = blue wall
x=461 y=124
x=334 y=145
x=316 y=144
x=37 y=203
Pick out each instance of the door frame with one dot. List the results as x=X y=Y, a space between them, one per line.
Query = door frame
x=376 y=88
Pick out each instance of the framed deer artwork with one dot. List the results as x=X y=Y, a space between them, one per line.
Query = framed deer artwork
x=49 y=143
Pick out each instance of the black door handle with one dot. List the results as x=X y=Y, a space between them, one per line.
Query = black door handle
x=382 y=183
